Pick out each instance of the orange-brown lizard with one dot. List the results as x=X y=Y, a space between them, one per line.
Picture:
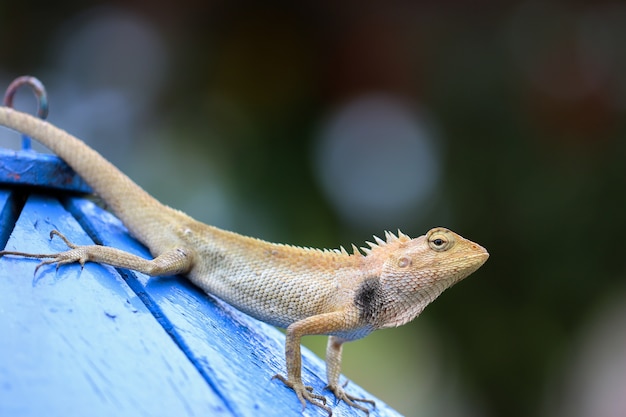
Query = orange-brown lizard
x=307 y=291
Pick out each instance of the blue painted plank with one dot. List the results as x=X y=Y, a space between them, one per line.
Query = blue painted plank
x=32 y=168
x=78 y=343
x=8 y=214
x=4 y=197
x=237 y=354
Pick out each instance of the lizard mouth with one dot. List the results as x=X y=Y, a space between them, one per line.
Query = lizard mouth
x=479 y=258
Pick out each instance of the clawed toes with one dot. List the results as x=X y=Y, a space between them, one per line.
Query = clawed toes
x=351 y=400
x=305 y=394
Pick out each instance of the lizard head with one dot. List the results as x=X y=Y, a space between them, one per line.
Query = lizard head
x=416 y=271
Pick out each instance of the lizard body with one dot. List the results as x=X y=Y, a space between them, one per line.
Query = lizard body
x=307 y=291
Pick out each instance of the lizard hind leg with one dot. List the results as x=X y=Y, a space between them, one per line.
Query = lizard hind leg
x=174 y=261
x=333 y=370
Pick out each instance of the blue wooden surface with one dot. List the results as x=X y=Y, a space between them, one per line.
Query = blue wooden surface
x=32 y=168
x=81 y=342
x=109 y=342
x=7 y=214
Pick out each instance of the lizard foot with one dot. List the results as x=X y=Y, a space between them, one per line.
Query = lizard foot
x=74 y=254
x=342 y=395
x=305 y=393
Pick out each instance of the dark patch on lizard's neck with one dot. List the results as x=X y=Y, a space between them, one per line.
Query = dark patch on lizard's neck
x=369 y=300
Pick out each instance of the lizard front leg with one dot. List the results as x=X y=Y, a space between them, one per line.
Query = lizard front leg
x=293 y=359
x=172 y=262
x=333 y=370
x=327 y=323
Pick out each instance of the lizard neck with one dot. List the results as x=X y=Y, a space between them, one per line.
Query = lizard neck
x=390 y=298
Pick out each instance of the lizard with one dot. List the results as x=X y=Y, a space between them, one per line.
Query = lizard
x=307 y=291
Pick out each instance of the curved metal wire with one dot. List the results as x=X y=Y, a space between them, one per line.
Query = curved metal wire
x=42 y=99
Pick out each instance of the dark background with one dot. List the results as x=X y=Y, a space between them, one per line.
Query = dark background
x=322 y=123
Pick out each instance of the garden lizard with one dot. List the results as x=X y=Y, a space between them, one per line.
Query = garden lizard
x=307 y=291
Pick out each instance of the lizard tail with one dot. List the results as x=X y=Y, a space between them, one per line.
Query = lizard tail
x=125 y=198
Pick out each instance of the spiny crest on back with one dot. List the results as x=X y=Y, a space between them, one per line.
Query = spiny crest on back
x=390 y=238
x=362 y=251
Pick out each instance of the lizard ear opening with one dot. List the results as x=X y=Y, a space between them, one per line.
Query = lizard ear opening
x=404 y=262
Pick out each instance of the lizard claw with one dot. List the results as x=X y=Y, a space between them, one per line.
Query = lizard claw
x=342 y=395
x=75 y=254
x=305 y=393
x=69 y=244
x=64 y=258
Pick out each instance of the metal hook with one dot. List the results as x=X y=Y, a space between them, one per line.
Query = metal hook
x=40 y=93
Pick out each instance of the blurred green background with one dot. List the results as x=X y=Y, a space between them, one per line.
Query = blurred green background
x=322 y=123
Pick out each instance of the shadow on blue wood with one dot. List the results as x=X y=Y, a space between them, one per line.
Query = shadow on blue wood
x=102 y=342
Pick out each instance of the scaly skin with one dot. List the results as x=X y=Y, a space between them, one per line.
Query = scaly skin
x=307 y=291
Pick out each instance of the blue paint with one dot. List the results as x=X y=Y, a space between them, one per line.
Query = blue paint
x=37 y=169
x=81 y=342
x=8 y=214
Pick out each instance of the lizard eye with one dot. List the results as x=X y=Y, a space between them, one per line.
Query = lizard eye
x=439 y=243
